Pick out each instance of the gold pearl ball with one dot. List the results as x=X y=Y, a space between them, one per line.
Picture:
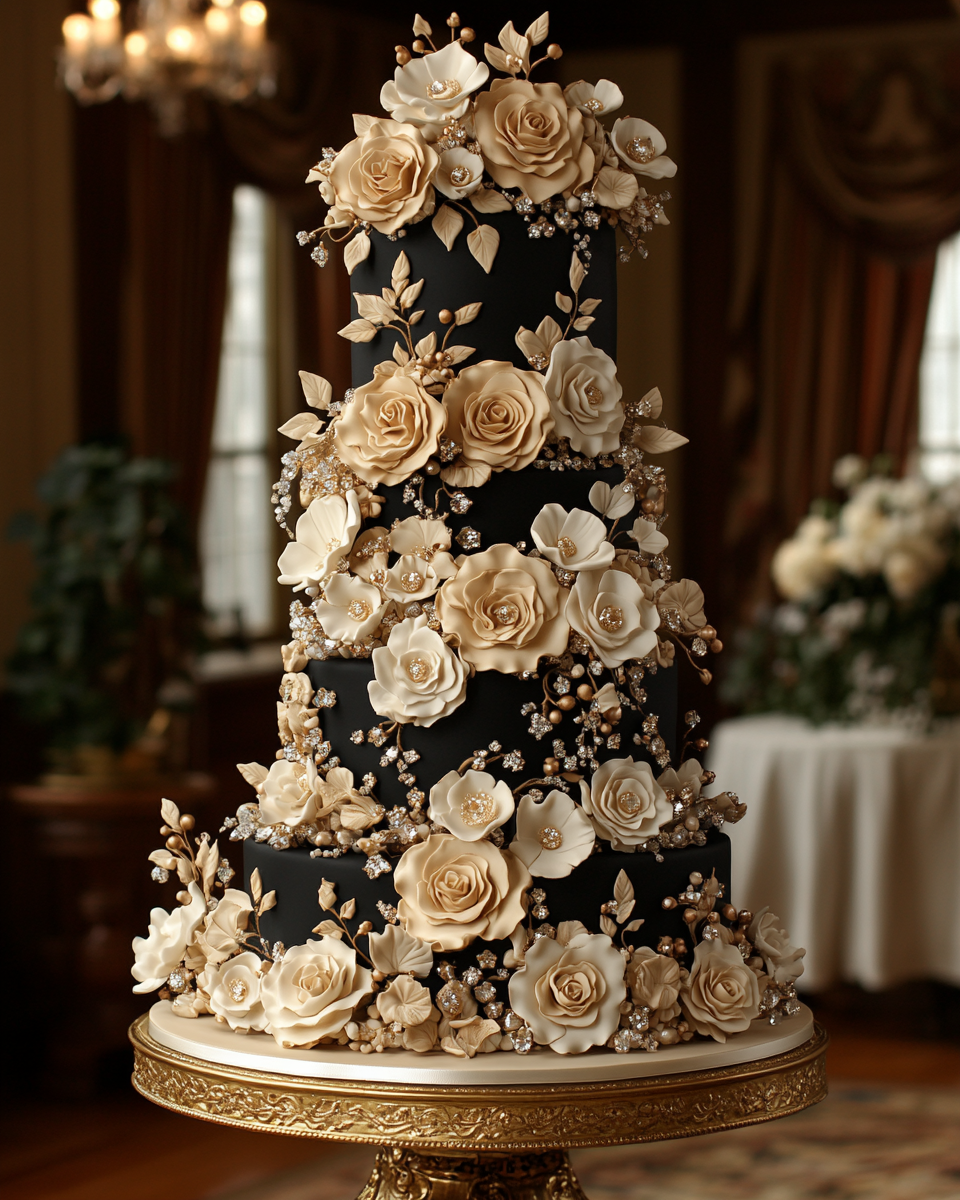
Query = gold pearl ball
x=418 y=47
x=716 y=645
x=692 y=823
x=744 y=916
x=729 y=912
x=431 y=467
x=174 y=843
x=690 y=915
x=187 y=821
x=577 y=670
x=165 y=830
x=605 y=728
x=555 y=716
x=403 y=56
x=585 y=691
x=554 y=51
x=467 y=34
x=707 y=632
x=669 y=903
x=550 y=766
x=183 y=897
x=566 y=703
x=446 y=316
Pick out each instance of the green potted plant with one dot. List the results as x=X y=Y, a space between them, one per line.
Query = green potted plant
x=103 y=663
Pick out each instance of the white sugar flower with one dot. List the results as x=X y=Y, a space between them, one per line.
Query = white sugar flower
x=470 y=805
x=642 y=147
x=417 y=677
x=434 y=88
x=554 y=835
x=460 y=172
x=419 y=536
x=413 y=578
x=325 y=534
x=233 y=989
x=783 y=961
x=626 y=802
x=612 y=503
x=168 y=936
x=648 y=537
x=313 y=991
x=594 y=99
x=584 y=393
x=288 y=795
x=350 y=609
x=575 y=540
x=611 y=611
x=570 y=995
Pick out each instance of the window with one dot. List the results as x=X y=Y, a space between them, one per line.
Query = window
x=237 y=528
x=940 y=371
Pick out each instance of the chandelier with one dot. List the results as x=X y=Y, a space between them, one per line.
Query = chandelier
x=175 y=47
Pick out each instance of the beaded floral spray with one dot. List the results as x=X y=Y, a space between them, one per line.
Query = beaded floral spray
x=581 y=615
x=453 y=152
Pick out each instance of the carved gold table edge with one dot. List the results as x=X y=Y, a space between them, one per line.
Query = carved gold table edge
x=482 y=1119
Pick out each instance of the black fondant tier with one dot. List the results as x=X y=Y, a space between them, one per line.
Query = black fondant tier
x=297 y=877
x=490 y=712
x=520 y=289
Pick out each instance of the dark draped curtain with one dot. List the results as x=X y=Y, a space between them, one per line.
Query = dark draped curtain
x=156 y=215
x=862 y=183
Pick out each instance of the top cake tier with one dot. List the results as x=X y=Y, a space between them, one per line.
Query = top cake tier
x=520 y=290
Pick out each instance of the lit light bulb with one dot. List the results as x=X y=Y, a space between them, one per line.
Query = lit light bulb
x=104 y=10
x=252 y=12
x=180 y=39
x=76 y=30
x=223 y=3
x=135 y=44
x=217 y=22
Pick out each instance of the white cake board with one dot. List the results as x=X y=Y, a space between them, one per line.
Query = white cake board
x=204 y=1038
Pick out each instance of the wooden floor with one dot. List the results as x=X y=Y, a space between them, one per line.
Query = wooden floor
x=123 y=1148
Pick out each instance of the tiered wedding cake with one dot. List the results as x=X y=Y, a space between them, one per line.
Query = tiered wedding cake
x=482 y=831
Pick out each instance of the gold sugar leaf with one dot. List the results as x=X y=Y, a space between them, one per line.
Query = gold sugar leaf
x=362 y=123
x=347 y=910
x=589 y=306
x=359 y=331
x=300 y=426
x=652 y=403
x=170 y=814
x=538 y=30
x=374 y=308
x=401 y=271
x=410 y=293
x=582 y=323
x=497 y=59
x=577 y=272
x=489 y=200
x=256 y=885
x=608 y=926
x=421 y=28
x=356 y=250
x=564 y=303
x=328 y=929
x=457 y=354
x=469 y=312
x=447 y=223
x=269 y=901
x=654 y=439
x=317 y=391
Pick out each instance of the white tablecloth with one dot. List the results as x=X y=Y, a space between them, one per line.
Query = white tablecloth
x=852 y=836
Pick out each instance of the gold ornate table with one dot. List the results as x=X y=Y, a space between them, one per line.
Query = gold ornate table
x=476 y=1141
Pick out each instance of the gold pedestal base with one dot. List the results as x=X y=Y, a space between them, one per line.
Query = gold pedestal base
x=412 y=1175
x=480 y=1142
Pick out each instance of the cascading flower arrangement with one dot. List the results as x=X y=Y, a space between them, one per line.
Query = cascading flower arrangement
x=871 y=599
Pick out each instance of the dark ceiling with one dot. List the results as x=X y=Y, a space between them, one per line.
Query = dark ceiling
x=668 y=22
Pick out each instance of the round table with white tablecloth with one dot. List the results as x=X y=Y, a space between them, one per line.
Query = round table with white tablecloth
x=852 y=836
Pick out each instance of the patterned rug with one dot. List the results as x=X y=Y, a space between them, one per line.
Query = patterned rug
x=862 y=1143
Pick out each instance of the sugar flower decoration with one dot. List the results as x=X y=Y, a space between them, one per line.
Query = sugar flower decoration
x=435 y=88
x=350 y=609
x=168 y=936
x=642 y=148
x=417 y=677
x=575 y=540
x=570 y=995
x=654 y=982
x=453 y=892
x=783 y=961
x=594 y=99
x=585 y=393
x=625 y=802
x=312 y=992
x=470 y=805
x=720 y=996
x=288 y=795
x=500 y=416
x=505 y=609
x=460 y=173
x=233 y=991
x=385 y=176
x=324 y=535
x=389 y=429
x=611 y=611
x=530 y=139
x=554 y=835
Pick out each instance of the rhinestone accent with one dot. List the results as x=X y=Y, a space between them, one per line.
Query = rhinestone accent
x=550 y=837
x=641 y=150
x=477 y=809
x=611 y=618
x=567 y=547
